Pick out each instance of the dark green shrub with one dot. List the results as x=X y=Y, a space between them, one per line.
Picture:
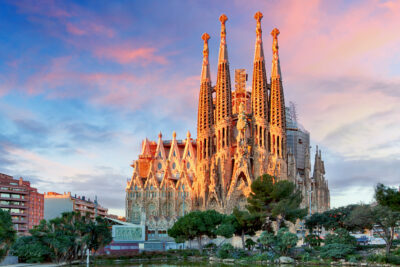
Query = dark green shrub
x=313 y=240
x=266 y=256
x=354 y=258
x=341 y=236
x=30 y=250
x=382 y=258
x=224 y=251
x=336 y=251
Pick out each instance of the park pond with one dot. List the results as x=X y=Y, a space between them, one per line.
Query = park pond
x=181 y=264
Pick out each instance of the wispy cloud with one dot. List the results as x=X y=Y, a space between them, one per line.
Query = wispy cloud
x=124 y=55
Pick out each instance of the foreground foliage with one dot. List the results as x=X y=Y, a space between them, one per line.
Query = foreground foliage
x=63 y=239
x=7 y=233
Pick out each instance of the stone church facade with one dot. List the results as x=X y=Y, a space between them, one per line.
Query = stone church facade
x=240 y=136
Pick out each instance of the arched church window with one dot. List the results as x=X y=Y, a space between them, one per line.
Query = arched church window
x=173 y=165
x=159 y=166
x=188 y=165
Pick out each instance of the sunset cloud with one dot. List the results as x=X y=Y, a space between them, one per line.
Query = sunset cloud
x=144 y=55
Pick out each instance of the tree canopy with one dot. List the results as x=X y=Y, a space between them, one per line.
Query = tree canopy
x=7 y=233
x=63 y=239
x=275 y=200
x=196 y=224
x=389 y=197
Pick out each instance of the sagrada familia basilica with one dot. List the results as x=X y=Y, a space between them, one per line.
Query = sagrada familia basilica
x=240 y=136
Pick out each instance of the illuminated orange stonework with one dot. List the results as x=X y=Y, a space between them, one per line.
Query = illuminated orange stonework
x=237 y=141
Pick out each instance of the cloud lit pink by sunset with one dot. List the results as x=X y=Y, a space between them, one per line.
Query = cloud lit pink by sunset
x=124 y=55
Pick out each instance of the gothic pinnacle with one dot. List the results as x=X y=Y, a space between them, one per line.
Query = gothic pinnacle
x=259 y=53
x=223 y=53
x=205 y=72
x=276 y=69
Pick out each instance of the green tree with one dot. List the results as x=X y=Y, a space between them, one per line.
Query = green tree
x=250 y=243
x=281 y=243
x=240 y=223
x=332 y=219
x=195 y=225
x=63 y=239
x=7 y=233
x=31 y=250
x=338 y=245
x=389 y=197
x=98 y=234
x=275 y=201
x=360 y=218
x=386 y=220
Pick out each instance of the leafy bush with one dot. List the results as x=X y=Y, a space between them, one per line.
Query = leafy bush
x=29 y=249
x=266 y=256
x=354 y=258
x=225 y=250
x=7 y=233
x=313 y=240
x=341 y=236
x=382 y=258
x=336 y=251
x=305 y=256
x=250 y=243
x=238 y=254
x=285 y=240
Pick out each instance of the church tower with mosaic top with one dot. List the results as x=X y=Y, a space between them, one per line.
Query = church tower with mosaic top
x=241 y=135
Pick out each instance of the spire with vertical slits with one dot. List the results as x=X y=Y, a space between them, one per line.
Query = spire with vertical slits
x=205 y=112
x=259 y=90
x=223 y=86
x=223 y=52
x=276 y=68
x=205 y=72
x=277 y=101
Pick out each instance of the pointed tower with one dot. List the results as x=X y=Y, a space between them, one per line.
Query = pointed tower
x=223 y=93
x=223 y=115
x=205 y=119
x=259 y=102
x=277 y=121
x=205 y=130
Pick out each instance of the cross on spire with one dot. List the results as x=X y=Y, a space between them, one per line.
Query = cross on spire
x=223 y=18
x=258 y=16
x=275 y=32
x=205 y=37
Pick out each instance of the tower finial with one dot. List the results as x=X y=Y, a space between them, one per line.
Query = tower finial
x=205 y=73
x=223 y=54
x=258 y=16
x=275 y=32
x=276 y=68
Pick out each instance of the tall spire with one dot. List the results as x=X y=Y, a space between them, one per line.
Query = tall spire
x=223 y=52
x=223 y=86
x=276 y=68
x=205 y=117
x=205 y=72
x=259 y=90
x=277 y=102
x=259 y=51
